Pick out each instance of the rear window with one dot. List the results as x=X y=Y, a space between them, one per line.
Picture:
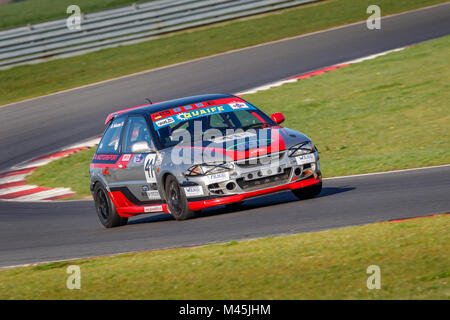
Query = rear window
x=111 y=138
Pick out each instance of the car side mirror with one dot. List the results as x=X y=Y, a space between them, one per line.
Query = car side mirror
x=141 y=147
x=278 y=117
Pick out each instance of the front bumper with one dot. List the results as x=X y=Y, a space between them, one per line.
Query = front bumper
x=203 y=204
x=252 y=177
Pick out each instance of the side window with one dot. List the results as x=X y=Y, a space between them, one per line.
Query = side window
x=135 y=131
x=246 y=118
x=111 y=138
x=218 y=122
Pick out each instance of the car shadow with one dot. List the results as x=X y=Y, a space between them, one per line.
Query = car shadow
x=153 y=218
x=271 y=200
x=263 y=201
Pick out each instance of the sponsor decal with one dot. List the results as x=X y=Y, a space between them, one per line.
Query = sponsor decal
x=235 y=136
x=251 y=145
x=164 y=122
x=306 y=158
x=106 y=157
x=117 y=125
x=153 y=209
x=152 y=194
x=126 y=157
x=238 y=105
x=200 y=113
x=189 y=112
x=162 y=114
x=193 y=191
x=138 y=158
x=219 y=177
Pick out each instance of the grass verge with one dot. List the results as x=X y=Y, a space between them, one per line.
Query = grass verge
x=34 y=11
x=29 y=81
x=383 y=114
x=412 y=256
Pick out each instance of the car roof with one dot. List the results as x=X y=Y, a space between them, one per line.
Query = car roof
x=161 y=106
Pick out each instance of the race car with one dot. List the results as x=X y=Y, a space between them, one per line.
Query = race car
x=181 y=156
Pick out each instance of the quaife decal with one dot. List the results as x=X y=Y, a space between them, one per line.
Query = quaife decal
x=192 y=114
x=200 y=113
x=153 y=209
x=149 y=167
x=193 y=191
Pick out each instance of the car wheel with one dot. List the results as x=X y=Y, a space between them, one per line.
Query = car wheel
x=176 y=200
x=308 y=192
x=106 y=211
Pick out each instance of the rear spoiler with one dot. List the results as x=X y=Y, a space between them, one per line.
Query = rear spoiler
x=111 y=116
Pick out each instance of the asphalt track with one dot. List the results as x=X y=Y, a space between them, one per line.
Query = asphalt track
x=53 y=231
x=49 y=231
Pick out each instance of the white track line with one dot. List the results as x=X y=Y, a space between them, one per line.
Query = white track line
x=32 y=164
x=89 y=143
x=44 y=194
x=290 y=80
x=373 y=56
x=7 y=191
x=387 y=172
x=14 y=178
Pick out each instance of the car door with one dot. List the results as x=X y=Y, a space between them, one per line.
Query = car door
x=138 y=175
x=107 y=157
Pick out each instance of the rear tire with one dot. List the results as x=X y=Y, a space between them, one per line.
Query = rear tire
x=308 y=192
x=176 y=200
x=106 y=210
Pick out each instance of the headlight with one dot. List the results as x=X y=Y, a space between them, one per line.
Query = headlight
x=205 y=169
x=302 y=148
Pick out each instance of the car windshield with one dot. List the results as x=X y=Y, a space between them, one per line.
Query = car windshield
x=193 y=122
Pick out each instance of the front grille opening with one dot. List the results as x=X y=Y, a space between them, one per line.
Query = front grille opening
x=215 y=188
x=265 y=181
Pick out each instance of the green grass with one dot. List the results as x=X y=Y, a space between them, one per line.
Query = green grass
x=29 y=81
x=21 y=13
x=389 y=113
x=412 y=255
x=71 y=172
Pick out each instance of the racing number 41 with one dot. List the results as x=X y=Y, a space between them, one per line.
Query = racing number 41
x=149 y=168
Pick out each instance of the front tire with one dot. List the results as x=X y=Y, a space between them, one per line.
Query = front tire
x=106 y=210
x=176 y=200
x=308 y=192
